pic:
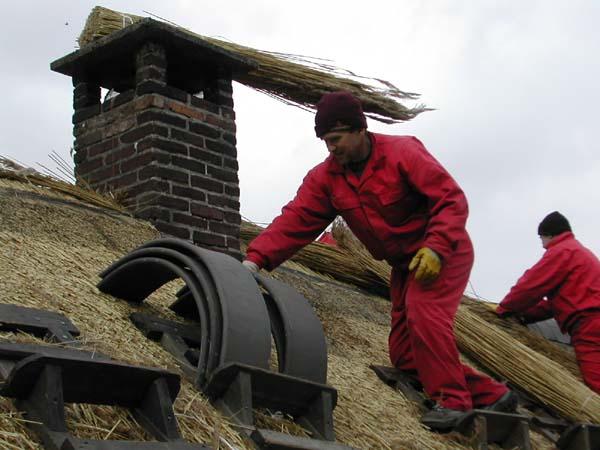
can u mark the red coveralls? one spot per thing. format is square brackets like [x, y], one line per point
[568, 275]
[404, 200]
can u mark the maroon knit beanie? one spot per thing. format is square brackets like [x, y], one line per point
[340, 107]
[553, 225]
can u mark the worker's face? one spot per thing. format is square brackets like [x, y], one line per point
[346, 146]
[545, 240]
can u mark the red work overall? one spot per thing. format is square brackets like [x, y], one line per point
[585, 337]
[422, 335]
[568, 276]
[404, 200]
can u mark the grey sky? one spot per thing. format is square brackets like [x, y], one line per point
[514, 84]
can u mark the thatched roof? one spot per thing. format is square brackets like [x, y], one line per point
[294, 79]
[54, 245]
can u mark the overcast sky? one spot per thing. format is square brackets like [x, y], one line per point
[514, 84]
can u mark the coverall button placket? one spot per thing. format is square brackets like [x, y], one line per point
[365, 200]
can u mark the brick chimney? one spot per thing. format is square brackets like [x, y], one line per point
[166, 141]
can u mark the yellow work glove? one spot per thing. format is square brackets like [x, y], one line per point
[427, 264]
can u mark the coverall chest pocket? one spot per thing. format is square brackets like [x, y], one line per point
[347, 207]
[395, 206]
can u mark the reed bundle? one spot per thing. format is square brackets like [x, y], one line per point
[531, 371]
[377, 272]
[293, 79]
[82, 191]
[319, 257]
[524, 335]
[550, 374]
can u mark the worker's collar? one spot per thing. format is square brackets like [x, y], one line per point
[560, 238]
[375, 157]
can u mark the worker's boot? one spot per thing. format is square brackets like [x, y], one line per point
[442, 419]
[507, 403]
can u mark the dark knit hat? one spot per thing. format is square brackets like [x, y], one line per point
[340, 107]
[553, 225]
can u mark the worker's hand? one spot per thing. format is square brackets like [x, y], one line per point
[522, 320]
[426, 264]
[252, 267]
[504, 313]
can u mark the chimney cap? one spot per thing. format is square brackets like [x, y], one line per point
[110, 61]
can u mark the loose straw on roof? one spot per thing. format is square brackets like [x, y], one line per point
[82, 191]
[296, 80]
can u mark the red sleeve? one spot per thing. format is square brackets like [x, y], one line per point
[447, 203]
[537, 282]
[540, 311]
[299, 223]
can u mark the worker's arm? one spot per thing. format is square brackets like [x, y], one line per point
[540, 311]
[300, 222]
[536, 283]
[447, 204]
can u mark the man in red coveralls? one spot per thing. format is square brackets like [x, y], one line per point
[405, 208]
[564, 284]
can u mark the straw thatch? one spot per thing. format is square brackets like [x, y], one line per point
[356, 270]
[549, 374]
[296, 80]
[54, 245]
[11, 170]
[563, 355]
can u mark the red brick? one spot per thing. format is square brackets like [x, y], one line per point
[207, 184]
[190, 221]
[185, 110]
[209, 212]
[206, 156]
[204, 238]
[219, 200]
[173, 230]
[188, 192]
[122, 182]
[189, 164]
[90, 165]
[137, 162]
[188, 138]
[231, 217]
[119, 155]
[222, 174]
[103, 146]
[233, 191]
[224, 228]
[144, 131]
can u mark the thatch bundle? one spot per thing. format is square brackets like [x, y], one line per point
[11, 170]
[557, 353]
[533, 372]
[549, 374]
[353, 269]
[296, 80]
